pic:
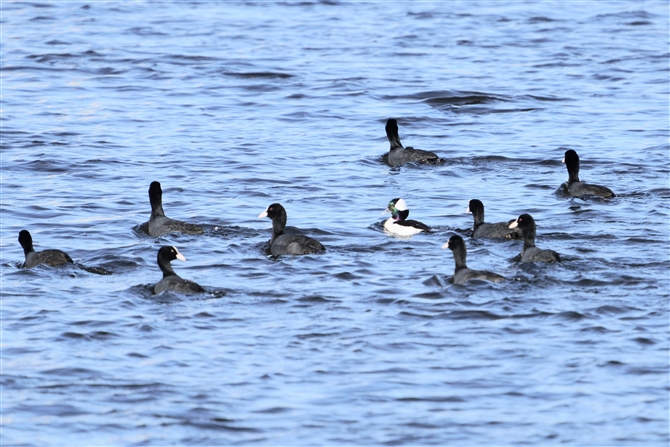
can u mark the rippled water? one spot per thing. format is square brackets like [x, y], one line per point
[234, 106]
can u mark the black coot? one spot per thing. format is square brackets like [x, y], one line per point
[159, 224]
[284, 244]
[399, 155]
[171, 281]
[48, 257]
[489, 230]
[530, 253]
[577, 188]
[462, 273]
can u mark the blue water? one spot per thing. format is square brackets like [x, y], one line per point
[234, 106]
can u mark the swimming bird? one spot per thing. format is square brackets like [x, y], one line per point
[171, 281]
[577, 188]
[530, 253]
[48, 257]
[489, 230]
[462, 273]
[287, 244]
[399, 155]
[159, 224]
[398, 223]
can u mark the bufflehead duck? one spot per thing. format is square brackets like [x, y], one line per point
[398, 223]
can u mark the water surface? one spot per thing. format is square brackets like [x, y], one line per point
[234, 106]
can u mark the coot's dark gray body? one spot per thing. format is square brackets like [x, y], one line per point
[285, 244]
[171, 281]
[159, 224]
[577, 188]
[47, 257]
[530, 253]
[462, 273]
[481, 229]
[399, 155]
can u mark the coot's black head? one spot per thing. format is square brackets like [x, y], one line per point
[165, 255]
[392, 134]
[274, 210]
[26, 241]
[277, 213]
[457, 246]
[525, 221]
[455, 242]
[155, 192]
[527, 225]
[168, 254]
[476, 207]
[391, 126]
[571, 161]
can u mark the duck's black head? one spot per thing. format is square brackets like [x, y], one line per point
[397, 205]
[398, 209]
